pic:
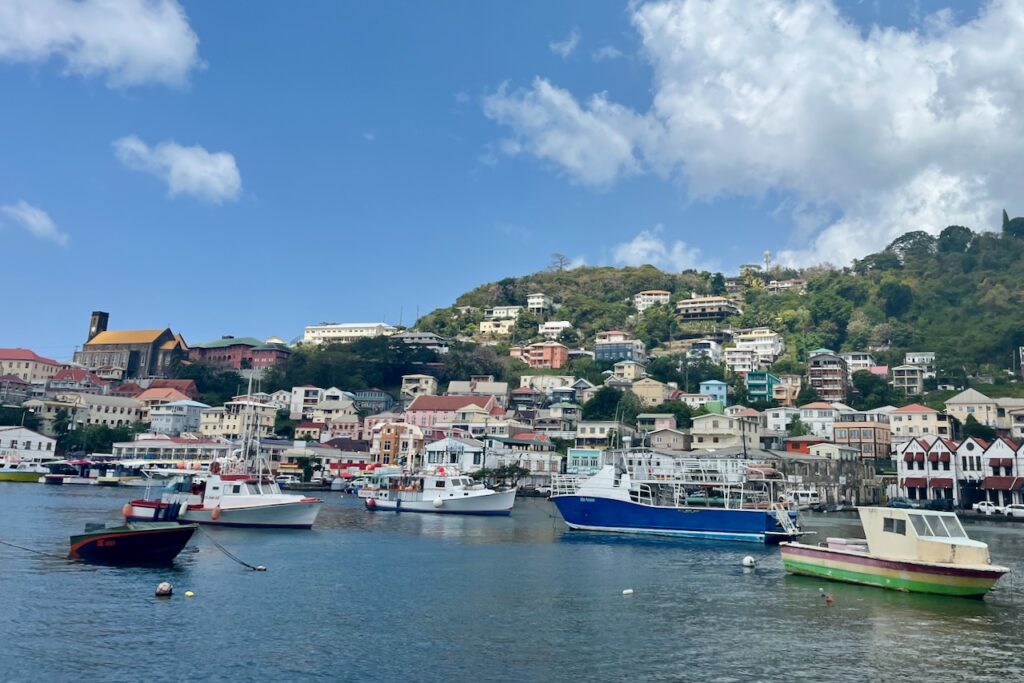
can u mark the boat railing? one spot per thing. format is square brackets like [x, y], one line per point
[785, 521]
[566, 484]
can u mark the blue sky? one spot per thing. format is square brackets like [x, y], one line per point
[361, 161]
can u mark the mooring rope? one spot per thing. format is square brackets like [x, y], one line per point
[255, 568]
[33, 550]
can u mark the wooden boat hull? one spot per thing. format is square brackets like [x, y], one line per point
[900, 575]
[133, 544]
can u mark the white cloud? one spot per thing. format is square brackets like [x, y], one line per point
[131, 42]
[186, 170]
[648, 247]
[872, 132]
[564, 48]
[606, 53]
[36, 221]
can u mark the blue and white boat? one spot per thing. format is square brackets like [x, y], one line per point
[651, 493]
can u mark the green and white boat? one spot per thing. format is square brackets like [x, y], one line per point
[24, 471]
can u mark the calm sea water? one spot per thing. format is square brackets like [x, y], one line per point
[424, 598]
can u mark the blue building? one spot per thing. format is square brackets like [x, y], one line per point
[717, 390]
[761, 385]
[620, 349]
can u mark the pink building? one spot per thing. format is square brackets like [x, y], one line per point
[546, 355]
[427, 411]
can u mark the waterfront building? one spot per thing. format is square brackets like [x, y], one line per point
[803, 444]
[539, 303]
[647, 298]
[553, 329]
[828, 375]
[707, 308]
[915, 420]
[343, 333]
[868, 431]
[86, 409]
[239, 353]
[27, 365]
[21, 443]
[584, 461]
[176, 417]
[173, 448]
[717, 390]
[128, 354]
[462, 454]
[669, 439]
[926, 469]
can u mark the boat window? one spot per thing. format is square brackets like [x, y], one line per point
[236, 488]
[895, 526]
[439, 483]
[954, 527]
[920, 525]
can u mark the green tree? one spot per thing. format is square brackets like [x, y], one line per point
[979, 431]
[797, 428]
[871, 391]
[283, 425]
[955, 239]
[807, 394]
[683, 413]
[896, 298]
[10, 415]
[603, 405]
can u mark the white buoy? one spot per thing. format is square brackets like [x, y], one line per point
[164, 590]
[749, 561]
[438, 502]
[628, 591]
[189, 594]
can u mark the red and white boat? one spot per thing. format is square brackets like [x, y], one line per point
[242, 500]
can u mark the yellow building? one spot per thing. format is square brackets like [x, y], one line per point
[27, 365]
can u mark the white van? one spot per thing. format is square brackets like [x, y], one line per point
[805, 499]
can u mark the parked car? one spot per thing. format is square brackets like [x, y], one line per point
[1014, 510]
[987, 507]
[943, 504]
[901, 502]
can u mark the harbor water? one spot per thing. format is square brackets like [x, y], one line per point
[389, 597]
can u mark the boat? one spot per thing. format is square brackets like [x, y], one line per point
[917, 551]
[132, 544]
[648, 492]
[443, 491]
[23, 471]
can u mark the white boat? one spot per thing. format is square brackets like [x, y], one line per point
[226, 500]
[441, 491]
[24, 471]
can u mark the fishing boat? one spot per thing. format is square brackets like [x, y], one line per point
[647, 492]
[23, 471]
[443, 491]
[917, 551]
[132, 544]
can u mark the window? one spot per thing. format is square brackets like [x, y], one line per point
[439, 484]
[895, 526]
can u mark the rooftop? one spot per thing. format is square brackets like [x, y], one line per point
[126, 337]
[25, 354]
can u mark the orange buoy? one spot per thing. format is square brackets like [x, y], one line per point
[215, 513]
[127, 510]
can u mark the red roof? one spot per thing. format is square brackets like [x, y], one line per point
[77, 375]
[818, 405]
[915, 408]
[14, 379]
[25, 354]
[310, 425]
[447, 403]
[185, 386]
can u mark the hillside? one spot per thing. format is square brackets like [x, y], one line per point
[959, 294]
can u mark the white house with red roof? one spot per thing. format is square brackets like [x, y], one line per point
[915, 420]
[1004, 472]
[427, 411]
[926, 469]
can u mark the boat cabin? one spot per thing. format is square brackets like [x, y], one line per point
[920, 535]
